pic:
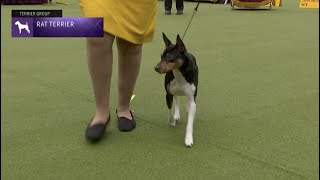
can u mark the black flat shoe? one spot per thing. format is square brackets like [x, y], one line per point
[96, 131]
[125, 124]
[179, 12]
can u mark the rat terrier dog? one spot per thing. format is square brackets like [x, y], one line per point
[181, 80]
[22, 26]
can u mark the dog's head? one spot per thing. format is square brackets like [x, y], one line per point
[172, 56]
[17, 22]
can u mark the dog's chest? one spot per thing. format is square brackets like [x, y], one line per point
[179, 86]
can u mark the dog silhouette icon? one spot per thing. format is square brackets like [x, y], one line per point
[22, 26]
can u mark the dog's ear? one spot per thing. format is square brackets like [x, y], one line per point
[180, 44]
[167, 42]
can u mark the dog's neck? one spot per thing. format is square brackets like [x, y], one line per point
[178, 73]
[186, 71]
[186, 63]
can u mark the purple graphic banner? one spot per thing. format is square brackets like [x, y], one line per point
[57, 27]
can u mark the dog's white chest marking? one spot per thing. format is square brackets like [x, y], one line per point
[179, 86]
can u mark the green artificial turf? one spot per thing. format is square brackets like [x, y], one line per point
[257, 107]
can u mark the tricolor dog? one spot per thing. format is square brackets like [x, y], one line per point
[181, 79]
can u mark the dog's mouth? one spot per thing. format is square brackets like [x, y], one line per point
[159, 69]
[164, 67]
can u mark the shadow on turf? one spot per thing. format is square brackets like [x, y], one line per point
[102, 141]
[239, 9]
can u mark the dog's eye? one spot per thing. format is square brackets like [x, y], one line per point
[170, 57]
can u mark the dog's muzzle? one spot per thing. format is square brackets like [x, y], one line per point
[157, 68]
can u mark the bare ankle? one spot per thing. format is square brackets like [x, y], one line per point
[100, 117]
[124, 112]
[123, 109]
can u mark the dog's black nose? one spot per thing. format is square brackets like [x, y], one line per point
[157, 68]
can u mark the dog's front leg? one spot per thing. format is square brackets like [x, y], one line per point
[176, 108]
[187, 107]
[169, 99]
[191, 116]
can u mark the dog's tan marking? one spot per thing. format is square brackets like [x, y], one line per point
[168, 66]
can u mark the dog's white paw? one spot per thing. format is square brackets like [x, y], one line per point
[172, 121]
[176, 116]
[188, 141]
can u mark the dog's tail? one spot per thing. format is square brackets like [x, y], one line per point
[27, 23]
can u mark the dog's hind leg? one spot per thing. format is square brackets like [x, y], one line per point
[176, 108]
[169, 99]
[191, 116]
